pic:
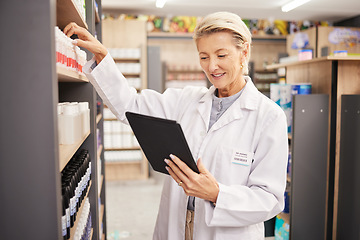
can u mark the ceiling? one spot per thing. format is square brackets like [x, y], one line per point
[315, 10]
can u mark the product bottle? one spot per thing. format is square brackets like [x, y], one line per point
[65, 194]
[63, 218]
[70, 120]
[85, 117]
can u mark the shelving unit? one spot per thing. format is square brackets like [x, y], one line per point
[29, 130]
[101, 193]
[263, 78]
[126, 49]
[67, 151]
[66, 12]
[120, 167]
[120, 140]
[190, 35]
[65, 75]
[179, 78]
[134, 77]
[178, 53]
[348, 208]
[333, 76]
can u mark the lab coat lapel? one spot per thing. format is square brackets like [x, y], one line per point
[248, 100]
[204, 107]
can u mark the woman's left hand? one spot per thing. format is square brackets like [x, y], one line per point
[202, 185]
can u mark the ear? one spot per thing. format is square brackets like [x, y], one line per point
[245, 49]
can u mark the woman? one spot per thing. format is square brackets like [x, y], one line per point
[237, 134]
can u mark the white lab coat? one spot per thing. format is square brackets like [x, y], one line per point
[250, 193]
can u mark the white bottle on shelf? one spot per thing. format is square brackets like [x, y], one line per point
[85, 117]
[71, 123]
[60, 123]
[78, 122]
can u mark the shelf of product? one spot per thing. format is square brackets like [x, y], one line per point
[190, 35]
[181, 76]
[122, 155]
[70, 11]
[125, 53]
[130, 56]
[263, 79]
[82, 228]
[314, 60]
[128, 61]
[118, 136]
[133, 69]
[65, 75]
[73, 128]
[320, 73]
[124, 149]
[75, 185]
[70, 59]
[73, 121]
[265, 76]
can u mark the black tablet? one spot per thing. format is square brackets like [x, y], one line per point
[159, 138]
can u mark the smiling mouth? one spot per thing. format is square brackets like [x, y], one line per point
[218, 75]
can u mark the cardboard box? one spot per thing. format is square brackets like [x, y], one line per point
[324, 41]
[332, 39]
[305, 39]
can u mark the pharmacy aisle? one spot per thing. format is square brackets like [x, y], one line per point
[50, 176]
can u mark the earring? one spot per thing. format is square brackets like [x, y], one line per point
[241, 66]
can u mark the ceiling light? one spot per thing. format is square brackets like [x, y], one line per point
[293, 4]
[160, 3]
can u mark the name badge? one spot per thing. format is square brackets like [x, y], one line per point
[242, 157]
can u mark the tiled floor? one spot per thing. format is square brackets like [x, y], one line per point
[132, 208]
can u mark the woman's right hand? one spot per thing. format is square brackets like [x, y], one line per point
[86, 40]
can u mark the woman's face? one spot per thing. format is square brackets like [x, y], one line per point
[221, 61]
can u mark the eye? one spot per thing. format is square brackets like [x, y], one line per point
[221, 56]
[203, 58]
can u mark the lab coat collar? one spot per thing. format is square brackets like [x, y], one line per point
[250, 97]
[205, 106]
[247, 100]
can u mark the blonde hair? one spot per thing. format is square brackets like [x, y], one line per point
[226, 22]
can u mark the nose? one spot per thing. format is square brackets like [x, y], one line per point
[213, 64]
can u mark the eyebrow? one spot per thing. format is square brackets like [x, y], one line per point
[221, 49]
